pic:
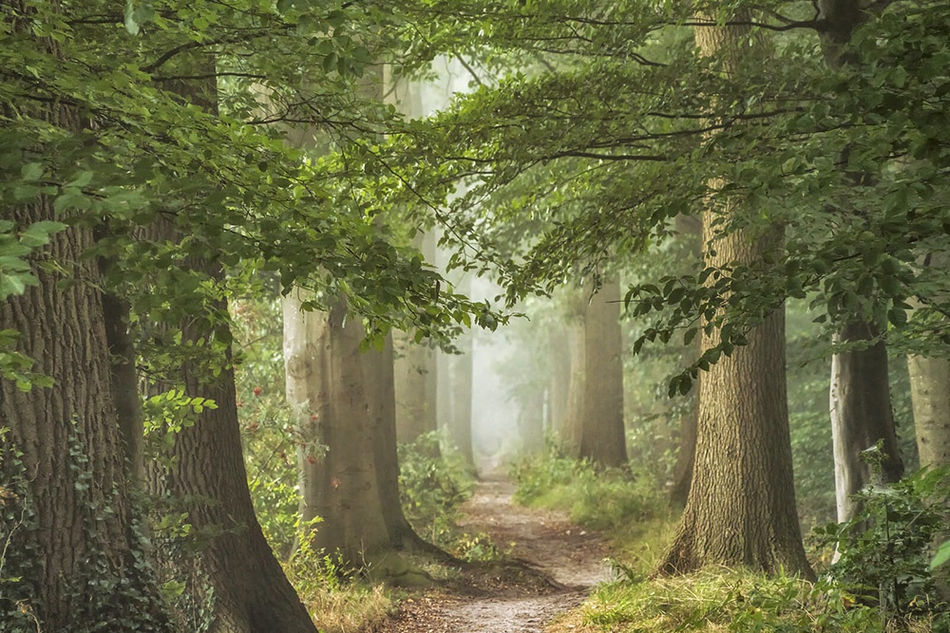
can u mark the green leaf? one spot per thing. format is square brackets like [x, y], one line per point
[942, 555]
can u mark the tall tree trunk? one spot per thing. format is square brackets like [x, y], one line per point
[236, 572]
[71, 549]
[603, 437]
[741, 506]
[380, 389]
[338, 480]
[62, 454]
[861, 416]
[593, 426]
[860, 397]
[930, 391]
[573, 423]
[125, 384]
[458, 388]
[245, 585]
[416, 376]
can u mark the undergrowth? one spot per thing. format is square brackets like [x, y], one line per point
[624, 505]
[733, 600]
[882, 583]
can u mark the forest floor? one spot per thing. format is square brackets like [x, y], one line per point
[553, 565]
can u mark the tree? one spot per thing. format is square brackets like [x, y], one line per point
[73, 549]
[416, 375]
[325, 383]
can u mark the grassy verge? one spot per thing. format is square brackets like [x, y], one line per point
[723, 600]
[624, 506]
[881, 584]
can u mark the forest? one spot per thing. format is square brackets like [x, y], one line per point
[474, 315]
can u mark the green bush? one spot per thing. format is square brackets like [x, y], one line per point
[885, 552]
[432, 487]
[612, 499]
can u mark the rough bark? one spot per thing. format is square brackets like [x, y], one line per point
[244, 584]
[125, 384]
[741, 506]
[63, 456]
[69, 546]
[861, 416]
[338, 480]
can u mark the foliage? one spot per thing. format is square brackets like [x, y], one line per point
[338, 600]
[269, 427]
[627, 506]
[432, 487]
[619, 125]
[885, 551]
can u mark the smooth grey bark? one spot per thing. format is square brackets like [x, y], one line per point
[861, 416]
[860, 404]
[325, 385]
[930, 392]
[593, 426]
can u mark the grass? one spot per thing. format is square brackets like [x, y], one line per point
[634, 515]
[625, 507]
[721, 600]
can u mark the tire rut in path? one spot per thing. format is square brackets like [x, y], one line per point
[544, 541]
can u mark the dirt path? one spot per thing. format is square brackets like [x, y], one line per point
[560, 564]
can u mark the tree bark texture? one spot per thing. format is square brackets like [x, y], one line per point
[338, 480]
[79, 529]
[70, 549]
[741, 506]
[861, 416]
[381, 394]
[244, 583]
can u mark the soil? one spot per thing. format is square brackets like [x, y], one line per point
[552, 567]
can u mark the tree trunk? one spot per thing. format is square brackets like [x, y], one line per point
[70, 547]
[603, 437]
[338, 480]
[930, 391]
[458, 388]
[861, 416]
[68, 527]
[416, 376]
[125, 384]
[741, 506]
[236, 573]
[571, 431]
